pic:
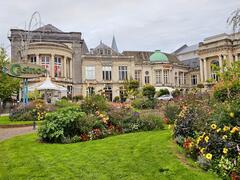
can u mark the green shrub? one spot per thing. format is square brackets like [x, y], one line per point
[171, 112]
[61, 125]
[64, 97]
[227, 113]
[65, 103]
[176, 93]
[190, 120]
[144, 103]
[148, 122]
[149, 91]
[77, 98]
[200, 86]
[29, 112]
[129, 120]
[94, 103]
[116, 99]
[162, 92]
[224, 92]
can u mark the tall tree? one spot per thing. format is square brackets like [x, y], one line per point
[9, 86]
[234, 20]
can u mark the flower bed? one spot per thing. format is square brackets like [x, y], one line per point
[215, 144]
[70, 125]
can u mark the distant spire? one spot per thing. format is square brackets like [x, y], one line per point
[114, 44]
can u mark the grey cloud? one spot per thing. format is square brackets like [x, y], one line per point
[137, 24]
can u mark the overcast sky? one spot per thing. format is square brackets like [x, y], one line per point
[137, 24]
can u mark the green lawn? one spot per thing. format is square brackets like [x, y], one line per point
[145, 155]
[4, 120]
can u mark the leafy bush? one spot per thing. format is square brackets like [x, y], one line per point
[200, 86]
[68, 125]
[61, 125]
[149, 91]
[65, 103]
[176, 93]
[30, 112]
[128, 120]
[191, 119]
[144, 103]
[94, 103]
[214, 142]
[149, 122]
[171, 112]
[77, 98]
[162, 92]
[223, 92]
[116, 99]
[227, 113]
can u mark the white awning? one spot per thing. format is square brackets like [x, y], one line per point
[47, 85]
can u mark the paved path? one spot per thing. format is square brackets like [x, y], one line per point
[6, 133]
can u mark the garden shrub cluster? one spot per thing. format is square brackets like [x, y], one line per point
[94, 103]
[216, 143]
[144, 103]
[162, 92]
[171, 112]
[146, 99]
[65, 103]
[34, 110]
[72, 124]
[209, 129]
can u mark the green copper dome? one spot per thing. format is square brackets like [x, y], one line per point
[157, 56]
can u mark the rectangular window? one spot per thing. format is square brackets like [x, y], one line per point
[138, 75]
[166, 76]
[107, 73]
[45, 62]
[90, 91]
[33, 59]
[147, 79]
[181, 78]
[90, 72]
[57, 66]
[122, 73]
[158, 76]
[194, 79]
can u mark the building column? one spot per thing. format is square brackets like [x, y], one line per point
[201, 71]
[224, 60]
[162, 78]
[38, 59]
[71, 73]
[205, 69]
[52, 66]
[184, 78]
[220, 62]
[65, 66]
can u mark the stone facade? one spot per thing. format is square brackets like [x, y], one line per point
[220, 50]
[57, 51]
[100, 70]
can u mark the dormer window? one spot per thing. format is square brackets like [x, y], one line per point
[109, 52]
[101, 51]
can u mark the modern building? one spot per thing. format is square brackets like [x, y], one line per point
[103, 69]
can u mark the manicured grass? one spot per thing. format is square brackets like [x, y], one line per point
[145, 155]
[4, 120]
